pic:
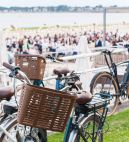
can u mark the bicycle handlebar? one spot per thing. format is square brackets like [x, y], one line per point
[16, 72]
[10, 67]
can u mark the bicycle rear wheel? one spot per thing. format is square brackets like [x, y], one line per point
[86, 126]
[105, 83]
[22, 133]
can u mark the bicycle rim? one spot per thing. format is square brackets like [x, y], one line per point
[87, 130]
[105, 83]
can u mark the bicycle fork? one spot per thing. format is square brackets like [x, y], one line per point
[102, 121]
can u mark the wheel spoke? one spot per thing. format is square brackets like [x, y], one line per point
[23, 134]
[105, 83]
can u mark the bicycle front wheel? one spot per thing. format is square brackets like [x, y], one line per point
[86, 127]
[20, 133]
[104, 82]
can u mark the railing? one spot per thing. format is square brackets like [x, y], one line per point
[97, 58]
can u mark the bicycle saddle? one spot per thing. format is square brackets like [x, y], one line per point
[83, 97]
[61, 71]
[6, 93]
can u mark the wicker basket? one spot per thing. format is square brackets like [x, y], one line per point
[45, 108]
[32, 65]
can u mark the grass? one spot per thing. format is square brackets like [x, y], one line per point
[118, 129]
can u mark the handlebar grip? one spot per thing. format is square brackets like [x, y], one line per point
[8, 66]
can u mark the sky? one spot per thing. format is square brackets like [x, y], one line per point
[8, 3]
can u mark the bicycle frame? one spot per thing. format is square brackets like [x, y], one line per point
[76, 123]
[68, 127]
[73, 123]
[123, 85]
[59, 86]
[62, 87]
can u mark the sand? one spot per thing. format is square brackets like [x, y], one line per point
[19, 33]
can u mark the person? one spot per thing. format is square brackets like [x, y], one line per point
[20, 45]
[98, 42]
[10, 55]
[39, 47]
[82, 64]
[25, 45]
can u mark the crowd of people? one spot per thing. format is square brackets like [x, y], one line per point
[63, 43]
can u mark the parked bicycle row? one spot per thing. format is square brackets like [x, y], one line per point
[68, 107]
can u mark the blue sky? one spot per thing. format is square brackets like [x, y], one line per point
[28, 3]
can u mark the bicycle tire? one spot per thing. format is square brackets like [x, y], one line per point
[39, 136]
[104, 82]
[84, 125]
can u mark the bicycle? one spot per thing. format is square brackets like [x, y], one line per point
[84, 116]
[8, 117]
[110, 82]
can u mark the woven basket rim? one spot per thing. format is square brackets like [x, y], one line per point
[50, 90]
[30, 55]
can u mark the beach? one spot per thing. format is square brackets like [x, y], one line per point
[27, 27]
[9, 31]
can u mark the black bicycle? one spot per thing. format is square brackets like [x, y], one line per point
[111, 83]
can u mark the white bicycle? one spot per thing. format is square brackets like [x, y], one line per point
[10, 130]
